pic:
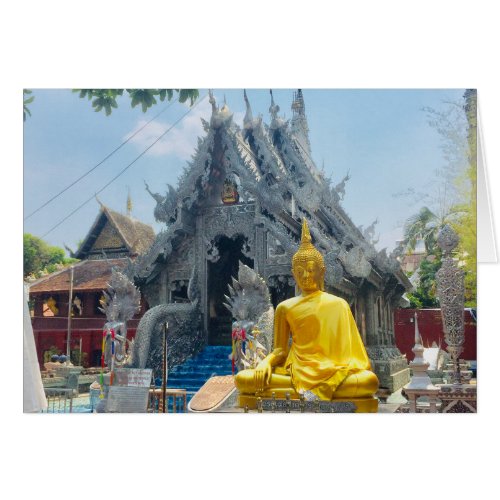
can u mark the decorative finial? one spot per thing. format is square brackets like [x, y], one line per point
[274, 108]
[99, 201]
[418, 338]
[298, 103]
[247, 120]
[447, 239]
[306, 235]
[129, 203]
[211, 100]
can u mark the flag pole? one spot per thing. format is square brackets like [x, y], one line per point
[68, 340]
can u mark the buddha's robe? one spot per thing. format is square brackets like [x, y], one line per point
[326, 347]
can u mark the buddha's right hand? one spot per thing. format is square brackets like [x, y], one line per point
[262, 375]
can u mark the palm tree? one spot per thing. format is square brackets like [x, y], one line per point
[424, 226]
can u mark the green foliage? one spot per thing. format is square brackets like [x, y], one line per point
[457, 126]
[48, 354]
[26, 101]
[105, 99]
[40, 258]
[75, 358]
[425, 294]
[466, 224]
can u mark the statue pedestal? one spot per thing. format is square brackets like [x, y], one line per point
[282, 405]
[390, 366]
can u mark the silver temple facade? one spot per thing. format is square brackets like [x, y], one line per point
[242, 198]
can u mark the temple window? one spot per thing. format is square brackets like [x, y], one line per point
[99, 301]
[77, 306]
[178, 291]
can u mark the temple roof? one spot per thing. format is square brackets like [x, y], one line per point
[116, 235]
[88, 275]
[272, 165]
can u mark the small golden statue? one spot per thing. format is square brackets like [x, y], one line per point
[326, 358]
[229, 193]
[52, 305]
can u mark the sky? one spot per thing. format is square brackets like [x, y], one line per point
[382, 138]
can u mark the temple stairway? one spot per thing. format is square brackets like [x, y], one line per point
[193, 373]
[219, 331]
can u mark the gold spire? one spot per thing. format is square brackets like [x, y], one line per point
[306, 235]
[129, 203]
[307, 251]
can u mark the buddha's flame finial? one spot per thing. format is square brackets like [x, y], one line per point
[306, 235]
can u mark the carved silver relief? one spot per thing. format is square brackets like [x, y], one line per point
[230, 221]
[247, 248]
[278, 280]
[334, 271]
[274, 248]
[211, 250]
[355, 262]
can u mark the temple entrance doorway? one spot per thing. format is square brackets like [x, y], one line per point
[219, 277]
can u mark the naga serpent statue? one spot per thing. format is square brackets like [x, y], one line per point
[184, 335]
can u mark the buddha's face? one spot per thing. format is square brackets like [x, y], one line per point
[308, 275]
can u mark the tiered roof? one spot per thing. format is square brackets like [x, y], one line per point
[274, 168]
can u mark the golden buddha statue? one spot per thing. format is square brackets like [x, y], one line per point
[326, 357]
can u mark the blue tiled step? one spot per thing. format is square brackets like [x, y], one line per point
[193, 373]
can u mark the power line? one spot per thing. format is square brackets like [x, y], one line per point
[126, 168]
[100, 163]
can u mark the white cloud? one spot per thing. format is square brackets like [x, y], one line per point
[181, 140]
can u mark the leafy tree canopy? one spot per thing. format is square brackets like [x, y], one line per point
[41, 258]
[425, 294]
[105, 99]
[27, 100]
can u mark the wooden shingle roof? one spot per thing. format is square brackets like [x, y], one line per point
[88, 275]
[116, 235]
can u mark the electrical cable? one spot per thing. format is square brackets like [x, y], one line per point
[101, 162]
[124, 169]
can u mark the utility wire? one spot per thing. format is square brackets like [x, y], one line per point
[100, 163]
[126, 168]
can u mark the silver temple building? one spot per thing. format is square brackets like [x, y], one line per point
[242, 198]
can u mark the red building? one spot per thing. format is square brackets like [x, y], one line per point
[430, 326]
[112, 240]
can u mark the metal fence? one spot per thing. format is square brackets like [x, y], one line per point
[59, 400]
